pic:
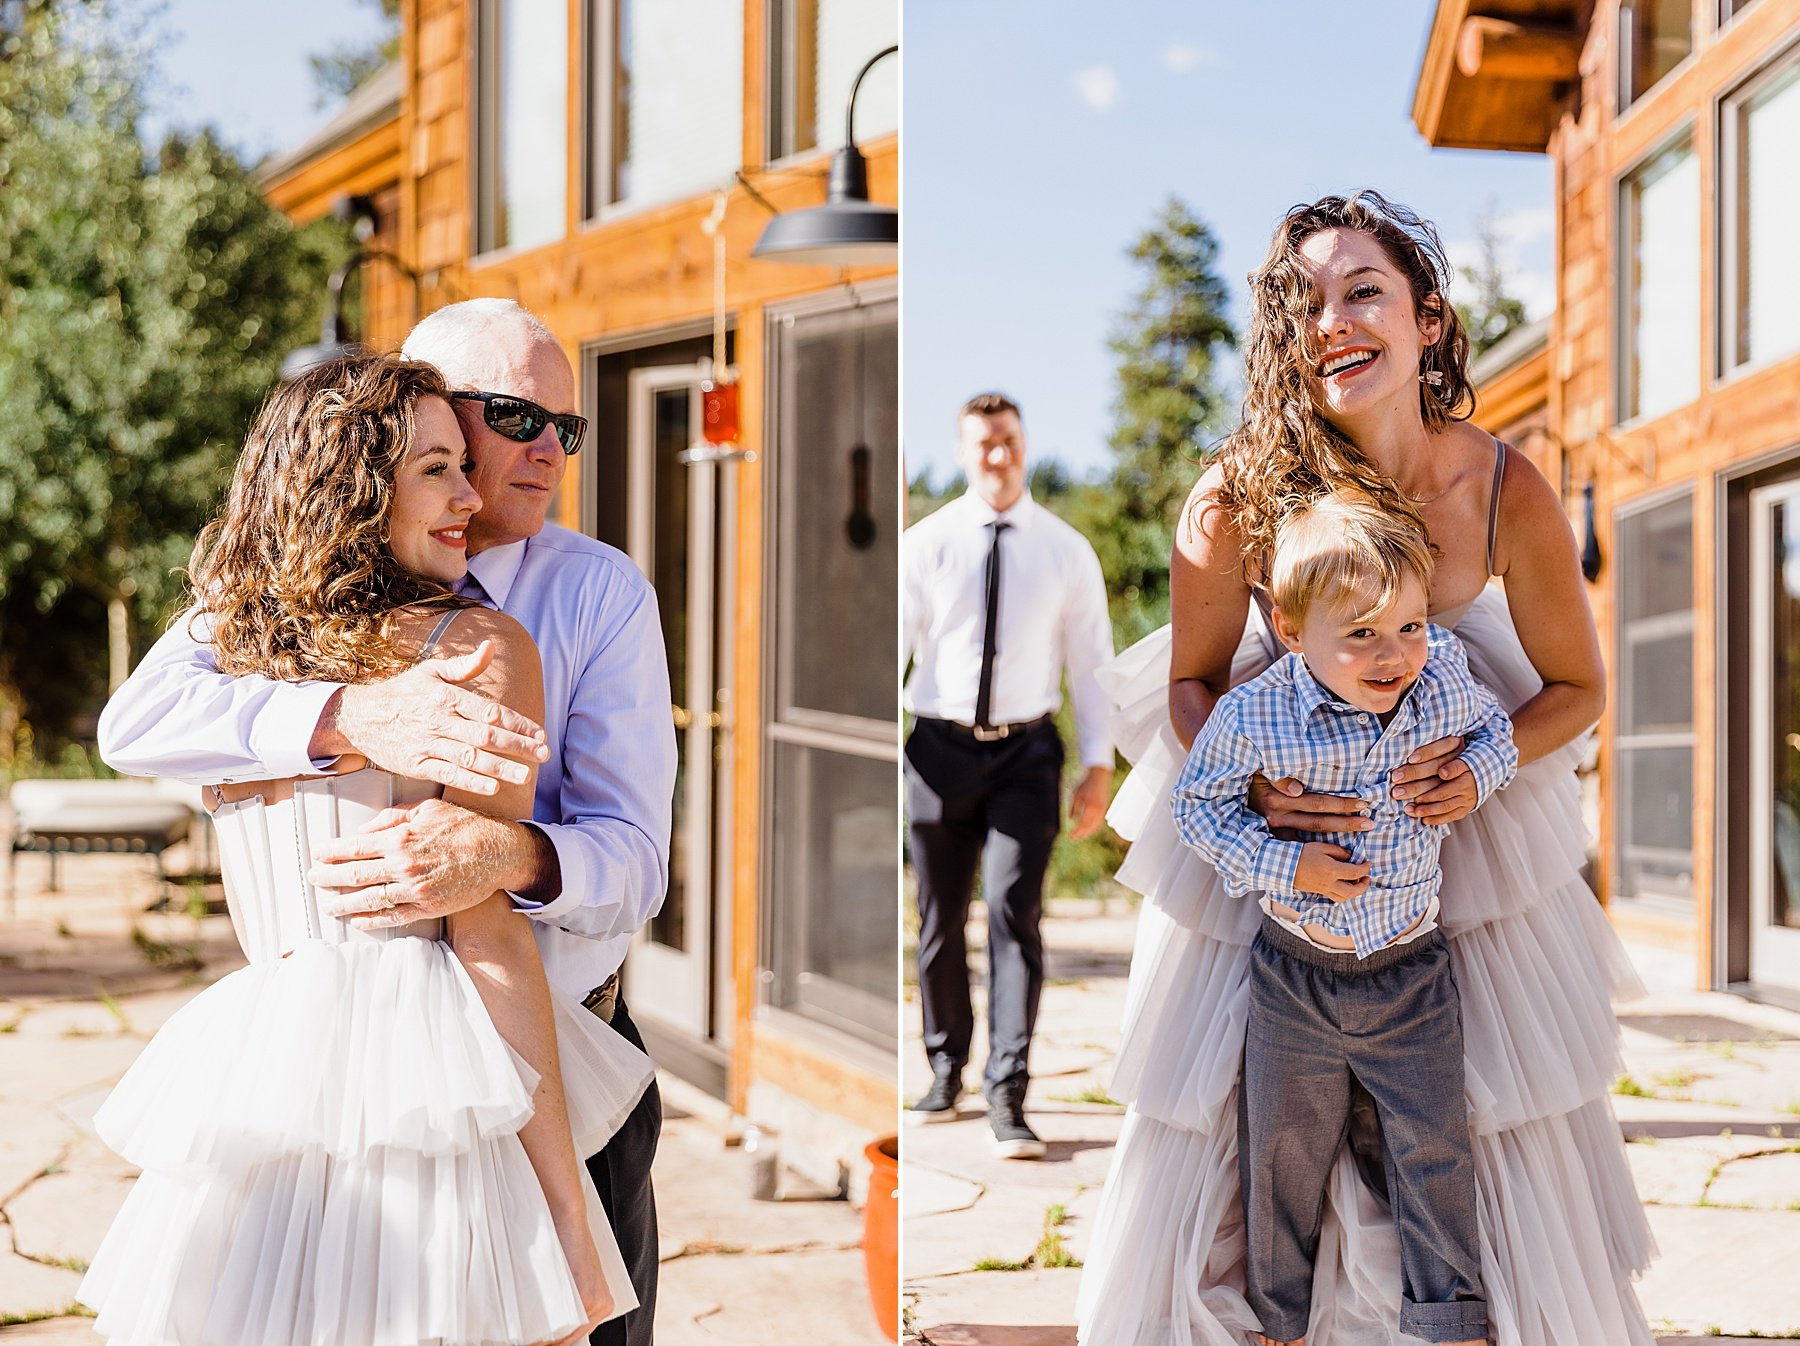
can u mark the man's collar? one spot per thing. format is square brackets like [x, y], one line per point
[983, 513]
[497, 567]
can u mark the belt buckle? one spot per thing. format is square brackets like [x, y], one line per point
[991, 734]
[603, 1000]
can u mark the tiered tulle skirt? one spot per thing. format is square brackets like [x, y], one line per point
[1536, 965]
[331, 1156]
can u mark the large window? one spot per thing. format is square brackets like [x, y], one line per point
[522, 96]
[1760, 146]
[832, 823]
[818, 47]
[1653, 738]
[1659, 284]
[665, 93]
[1655, 36]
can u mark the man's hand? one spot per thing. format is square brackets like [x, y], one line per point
[1087, 806]
[1288, 808]
[1325, 869]
[428, 860]
[1438, 785]
[422, 724]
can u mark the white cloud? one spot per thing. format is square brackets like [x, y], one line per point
[1182, 57]
[1098, 86]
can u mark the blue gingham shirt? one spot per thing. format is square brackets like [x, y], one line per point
[1285, 723]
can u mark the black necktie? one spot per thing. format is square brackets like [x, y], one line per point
[984, 691]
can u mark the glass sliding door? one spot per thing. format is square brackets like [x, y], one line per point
[1775, 736]
[678, 531]
[832, 826]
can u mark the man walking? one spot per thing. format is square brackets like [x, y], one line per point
[591, 865]
[1001, 597]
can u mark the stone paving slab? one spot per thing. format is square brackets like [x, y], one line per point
[51, 1332]
[996, 1308]
[63, 1217]
[1722, 1270]
[32, 1137]
[1764, 1181]
[816, 1298]
[29, 1289]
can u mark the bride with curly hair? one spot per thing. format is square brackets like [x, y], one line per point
[1356, 379]
[365, 1135]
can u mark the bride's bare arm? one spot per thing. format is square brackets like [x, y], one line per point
[495, 944]
[1537, 557]
[1208, 602]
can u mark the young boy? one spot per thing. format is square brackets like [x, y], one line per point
[1349, 975]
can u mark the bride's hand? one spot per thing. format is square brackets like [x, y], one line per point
[590, 1281]
[1448, 791]
[1288, 808]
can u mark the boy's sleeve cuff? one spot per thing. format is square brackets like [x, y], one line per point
[1275, 865]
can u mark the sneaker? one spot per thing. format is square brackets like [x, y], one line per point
[939, 1102]
[1013, 1139]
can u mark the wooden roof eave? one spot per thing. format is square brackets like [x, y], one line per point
[1497, 79]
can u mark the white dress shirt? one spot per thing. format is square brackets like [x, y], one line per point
[1052, 616]
[603, 797]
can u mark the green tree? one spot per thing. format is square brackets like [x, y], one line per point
[1170, 405]
[1492, 311]
[346, 67]
[144, 311]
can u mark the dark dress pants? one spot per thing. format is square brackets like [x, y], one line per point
[998, 804]
[621, 1174]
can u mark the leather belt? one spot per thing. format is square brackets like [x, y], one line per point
[603, 1000]
[994, 733]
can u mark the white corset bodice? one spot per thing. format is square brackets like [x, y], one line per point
[265, 852]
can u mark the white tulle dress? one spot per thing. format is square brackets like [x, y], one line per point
[329, 1136]
[1536, 963]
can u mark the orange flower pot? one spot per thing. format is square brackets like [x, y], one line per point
[881, 1233]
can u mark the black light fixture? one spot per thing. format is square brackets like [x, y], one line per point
[335, 337]
[848, 230]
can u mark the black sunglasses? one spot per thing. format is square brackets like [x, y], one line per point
[523, 421]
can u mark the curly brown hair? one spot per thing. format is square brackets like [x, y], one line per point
[295, 576]
[1284, 453]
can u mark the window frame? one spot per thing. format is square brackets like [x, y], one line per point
[597, 111]
[1727, 259]
[1624, 43]
[484, 144]
[1622, 742]
[1625, 233]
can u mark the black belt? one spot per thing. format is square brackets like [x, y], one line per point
[603, 1000]
[994, 733]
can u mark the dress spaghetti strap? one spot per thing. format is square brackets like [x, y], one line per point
[1494, 501]
[429, 648]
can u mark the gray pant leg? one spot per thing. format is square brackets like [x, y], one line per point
[1293, 1111]
[1404, 1027]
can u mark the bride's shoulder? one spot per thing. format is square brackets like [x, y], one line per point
[461, 630]
[1531, 515]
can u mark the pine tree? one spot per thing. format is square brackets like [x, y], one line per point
[1170, 405]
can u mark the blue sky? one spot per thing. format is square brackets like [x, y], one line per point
[240, 66]
[1040, 140]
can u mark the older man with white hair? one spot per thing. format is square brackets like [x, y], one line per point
[591, 864]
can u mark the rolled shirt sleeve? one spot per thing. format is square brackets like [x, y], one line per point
[177, 716]
[613, 802]
[1211, 814]
[1087, 640]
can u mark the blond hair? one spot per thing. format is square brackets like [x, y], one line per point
[1284, 451]
[296, 576]
[1346, 545]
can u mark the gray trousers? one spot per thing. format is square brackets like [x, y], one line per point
[1391, 1022]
